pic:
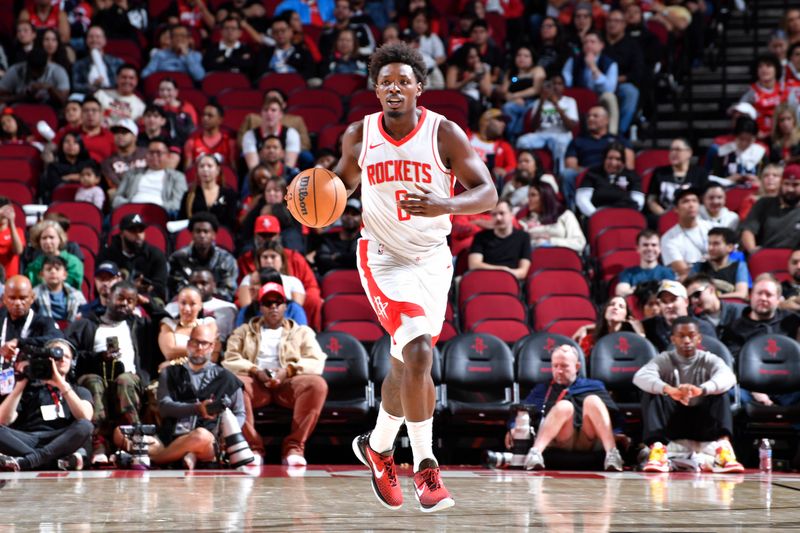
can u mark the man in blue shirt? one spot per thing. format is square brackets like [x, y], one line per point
[649, 248]
[178, 58]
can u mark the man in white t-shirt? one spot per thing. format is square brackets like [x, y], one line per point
[686, 242]
[553, 116]
[155, 184]
[121, 102]
[271, 116]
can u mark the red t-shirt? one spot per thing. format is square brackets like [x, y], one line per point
[196, 146]
[9, 259]
[99, 146]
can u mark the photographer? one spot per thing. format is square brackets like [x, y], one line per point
[19, 321]
[186, 402]
[44, 421]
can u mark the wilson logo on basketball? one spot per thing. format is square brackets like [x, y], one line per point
[302, 193]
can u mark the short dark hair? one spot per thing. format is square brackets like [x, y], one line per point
[745, 124]
[204, 216]
[123, 285]
[646, 234]
[53, 260]
[768, 59]
[129, 66]
[479, 23]
[727, 234]
[91, 100]
[700, 277]
[614, 146]
[158, 139]
[93, 165]
[152, 108]
[397, 53]
[215, 105]
[683, 320]
[200, 270]
[269, 275]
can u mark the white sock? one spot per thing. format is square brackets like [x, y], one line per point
[421, 436]
[386, 427]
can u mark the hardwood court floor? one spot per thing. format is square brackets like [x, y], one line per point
[339, 498]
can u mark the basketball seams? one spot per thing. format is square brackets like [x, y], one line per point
[334, 209]
[331, 200]
[314, 188]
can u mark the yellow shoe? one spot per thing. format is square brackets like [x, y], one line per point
[725, 460]
[657, 461]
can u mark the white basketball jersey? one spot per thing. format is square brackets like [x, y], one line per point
[389, 170]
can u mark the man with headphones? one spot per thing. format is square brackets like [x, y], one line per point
[45, 421]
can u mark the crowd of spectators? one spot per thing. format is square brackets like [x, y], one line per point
[244, 256]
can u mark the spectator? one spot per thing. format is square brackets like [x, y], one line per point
[211, 138]
[97, 70]
[45, 14]
[766, 92]
[430, 44]
[707, 306]
[271, 116]
[271, 204]
[35, 80]
[519, 87]
[625, 52]
[278, 362]
[290, 120]
[261, 277]
[649, 249]
[70, 159]
[25, 39]
[49, 238]
[56, 52]
[791, 287]
[792, 75]
[791, 24]
[178, 58]
[154, 121]
[181, 116]
[714, 210]
[284, 56]
[90, 190]
[731, 278]
[364, 42]
[155, 184]
[611, 185]
[222, 311]
[30, 438]
[646, 295]
[127, 156]
[231, 54]
[592, 69]
[736, 111]
[502, 248]
[344, 57]
[762, 316]
[577, 413]
[12, 129]
[272, 255]
[740, 161]
[679, 174]
[122, 102]
[686, 242]
[244, 10]
[203, 251]
[12, 239]
[580, 24]
[338, 250]
[548, 222]
[785, 136]
[491, 145]
[552, 50]
[54, 298]
[772, 222]
[684, 398]
[106, 274]
[614, 317]
[139, 261]
[174, 333]
[469, 75]
[778, 46]
[121, 20]
[273, 156]
[99, 141]
[318, 14]
[674, 303]
[769, 185]
[72, 118]
[587, 150]
[116, 357]
[210, 193]
[529, 169]
[20, 321]
[185, 390]
[488, 51]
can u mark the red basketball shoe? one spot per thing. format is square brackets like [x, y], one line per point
[384, 476]
[430, 490]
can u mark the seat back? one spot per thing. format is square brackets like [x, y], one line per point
[344, 84]
[150, 213]
[555, 258]
[509, 331]
[79, 212]
[609, 217]
[346, 281]
[482, 306]
[717, 347]
[85, 236]
[366, 331]
[486, 281]
[771, 364]
[649, 159]
[616, 238]
[617, 357]
[323, 98]
[613, 263]
[666, 221]
[478, 367]
[773, 260]
[216, 82]
[346, 307]
[534, 356]
[558, 307]
[346, 367]
[547, 282]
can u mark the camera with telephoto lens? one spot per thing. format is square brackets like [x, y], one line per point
[218, 405]
[39, 359]
[522, 434]
[141, 436]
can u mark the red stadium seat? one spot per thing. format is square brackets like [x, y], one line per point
[182, 80]
[363, 330]
[150, 213]
[559, 307]
[318, 98]
[666, 221]
[498, 306]
[330, 135]
[195, 97]
[585, 98]
[614, 262]
[125, 49]
[510, 331]
[19, 151]
[548, 282]
[16, 192]
[446, 97]
[365, 97]
[611, 217]
[772, 260]
[252, 98]
[344, 84]
[234, 116]
[19, 170]
[453, 113]
[316, 118]
[555, 258]
[30, 114]
[79, 212]
[568, 326]
[486, 281]
[734, 197]
[359, 112]
[650, 159]
[545, 158]
[341, 282]
[216, 82]
[286, 83]
[85, 236]
[65, 192]
[617, 238]
[346, 307]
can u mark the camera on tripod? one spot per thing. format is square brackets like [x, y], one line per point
[140, 436]
[522, 435]
[39, 359]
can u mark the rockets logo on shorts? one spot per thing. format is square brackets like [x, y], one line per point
[380, 307]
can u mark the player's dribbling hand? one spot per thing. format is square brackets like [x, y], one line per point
[426, 204]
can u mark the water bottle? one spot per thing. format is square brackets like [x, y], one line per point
[765, 456]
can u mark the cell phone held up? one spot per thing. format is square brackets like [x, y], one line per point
[112, 346]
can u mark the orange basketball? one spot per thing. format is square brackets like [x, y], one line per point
[316, 197]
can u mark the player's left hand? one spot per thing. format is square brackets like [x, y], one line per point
[426, 204]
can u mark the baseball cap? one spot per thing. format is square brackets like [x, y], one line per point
[134, 220]
[791, 172]
[109, 267]
[675, 288]
[271, 288]
[267, 224]
[743, 108]
[353, 203]
[126, 124]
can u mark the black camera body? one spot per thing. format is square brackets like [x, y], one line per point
[217, 406]
[39, 359]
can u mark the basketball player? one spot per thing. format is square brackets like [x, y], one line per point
[406, 159]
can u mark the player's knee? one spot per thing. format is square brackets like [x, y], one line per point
[418, 355]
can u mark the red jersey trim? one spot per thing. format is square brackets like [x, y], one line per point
[408, 137]
[364, 140]
[390, 311]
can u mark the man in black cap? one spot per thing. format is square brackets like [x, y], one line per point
[106, 274]
[146, 265]
[338, 250]
[127, 155]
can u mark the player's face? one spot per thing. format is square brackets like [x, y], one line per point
[397, 89]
